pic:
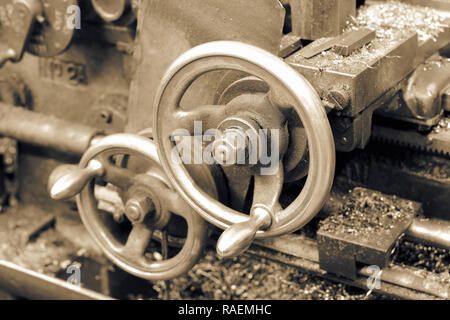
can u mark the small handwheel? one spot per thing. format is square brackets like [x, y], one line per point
[288, 91]
[130, 163]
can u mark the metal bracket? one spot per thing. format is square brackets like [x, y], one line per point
[366, 232]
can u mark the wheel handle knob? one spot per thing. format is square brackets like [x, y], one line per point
[238, 238]
[68, 180]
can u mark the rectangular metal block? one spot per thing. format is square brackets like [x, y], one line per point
[314, 19]
[289, 44]
[354, 40]
[365, 231]
[364, 75]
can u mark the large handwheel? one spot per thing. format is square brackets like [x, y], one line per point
[130, 163]
[288, 91]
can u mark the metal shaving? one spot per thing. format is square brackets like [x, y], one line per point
[367, 212]
[393, 22]
[384, 18]
[433, 262]
[249, 278]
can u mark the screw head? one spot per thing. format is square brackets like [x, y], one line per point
[106, 116]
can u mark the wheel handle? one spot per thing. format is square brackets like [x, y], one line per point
[68, 180]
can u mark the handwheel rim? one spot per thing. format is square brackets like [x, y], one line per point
[161, 270]
[308, 107]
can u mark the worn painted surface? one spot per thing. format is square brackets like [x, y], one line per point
[168, 28]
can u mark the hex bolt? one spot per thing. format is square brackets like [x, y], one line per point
[138, 206]
[232, 147]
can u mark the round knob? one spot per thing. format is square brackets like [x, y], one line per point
[111, 10]
[237, 238]
[68, 180]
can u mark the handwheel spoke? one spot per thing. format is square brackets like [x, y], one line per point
[138, 240]
[164, 244]
[279, 100]
[209, 116]
[176, 204]
[268, 190]
[120, 177]
[170, 199]
[237, 238]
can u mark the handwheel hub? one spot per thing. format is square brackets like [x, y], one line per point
[138, 207]
[238, 143]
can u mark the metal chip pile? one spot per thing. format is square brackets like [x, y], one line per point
[432, 259]
[248, 278]
[393, 22]
[367, 211]
[384, 18]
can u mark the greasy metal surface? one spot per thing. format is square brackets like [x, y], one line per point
[396, 281]
[44, 131]
[436, 142]
[109, 113]
[365, 77]
[424, 90]
[169, 28]
[351, 132]
[434, 232]
[119, 11]
[421, 98]
[32, 285]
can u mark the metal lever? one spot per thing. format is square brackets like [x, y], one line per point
[68, 180]
[237, 238]
[16, 28]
